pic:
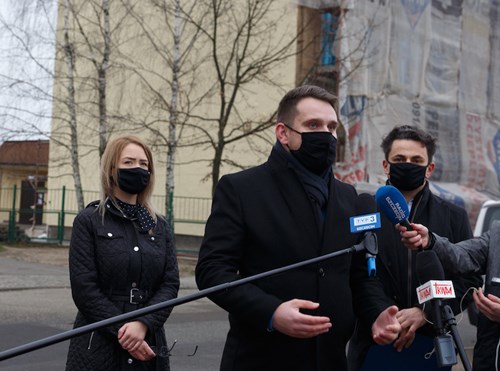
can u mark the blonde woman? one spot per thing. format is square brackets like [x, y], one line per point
[122, 258]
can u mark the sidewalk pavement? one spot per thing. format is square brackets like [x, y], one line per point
[21, 275]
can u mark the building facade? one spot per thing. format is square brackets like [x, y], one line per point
[427, 63]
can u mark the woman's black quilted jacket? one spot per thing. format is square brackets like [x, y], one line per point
[107, 259]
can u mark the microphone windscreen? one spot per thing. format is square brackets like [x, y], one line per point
[429, 267]
[392, 204]
[365, 204]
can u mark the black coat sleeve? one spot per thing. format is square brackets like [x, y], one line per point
[221, 255]
[462, 231]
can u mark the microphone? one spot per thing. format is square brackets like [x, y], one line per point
[367, 220]
[435, 288]
[393, 205]
[429, 266]
[430, 275]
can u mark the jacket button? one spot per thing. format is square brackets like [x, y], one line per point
[136, 248]
[130, 360]
[134, 284]
[152, 238]
[321, 272]
[110, 234]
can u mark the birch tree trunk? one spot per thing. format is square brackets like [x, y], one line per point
[172, 125]
[102, 69]
[71, 104]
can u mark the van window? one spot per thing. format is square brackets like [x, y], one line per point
[492, 214]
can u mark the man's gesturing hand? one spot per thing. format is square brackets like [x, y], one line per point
[386, 327]
[290, 321]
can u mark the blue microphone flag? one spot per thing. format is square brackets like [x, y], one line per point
[392, 204]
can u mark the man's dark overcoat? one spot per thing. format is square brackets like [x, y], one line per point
[262, 219]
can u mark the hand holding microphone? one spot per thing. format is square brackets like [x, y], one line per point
[415, 239]
[393, 205]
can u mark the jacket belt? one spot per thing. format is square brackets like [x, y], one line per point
[134, 296]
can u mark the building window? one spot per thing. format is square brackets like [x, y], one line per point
[329, 27]
[317, 61]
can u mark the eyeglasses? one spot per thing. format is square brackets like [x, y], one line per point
[164, 351]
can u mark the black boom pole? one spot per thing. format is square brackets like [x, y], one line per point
[16, 351]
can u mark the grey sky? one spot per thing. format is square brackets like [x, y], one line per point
[26, 65]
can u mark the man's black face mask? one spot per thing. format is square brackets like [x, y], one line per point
[406, 176]
[317, 152]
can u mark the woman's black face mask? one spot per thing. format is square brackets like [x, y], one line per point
[133, 180]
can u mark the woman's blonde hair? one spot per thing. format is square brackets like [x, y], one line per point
[109, 171]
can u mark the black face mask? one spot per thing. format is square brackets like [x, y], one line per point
[406, 176]
[134, 180]
[317, 152]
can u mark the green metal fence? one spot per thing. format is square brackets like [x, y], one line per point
[53, 217]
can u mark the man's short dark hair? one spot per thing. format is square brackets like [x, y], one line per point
[408, 132]
[287, 108]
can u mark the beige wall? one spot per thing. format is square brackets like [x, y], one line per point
[8, 178]
[11, 176]
[127, 95]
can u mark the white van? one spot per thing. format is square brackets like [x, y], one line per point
[490, 211]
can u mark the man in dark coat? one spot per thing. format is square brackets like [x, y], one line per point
[408, 164]
[284, 211]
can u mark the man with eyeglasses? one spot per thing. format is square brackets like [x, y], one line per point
[408, 165]
[287, 210]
